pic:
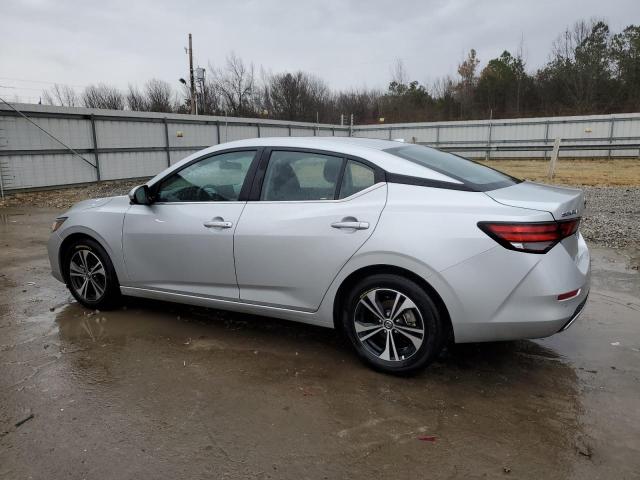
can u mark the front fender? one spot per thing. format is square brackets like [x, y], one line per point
[104, 224]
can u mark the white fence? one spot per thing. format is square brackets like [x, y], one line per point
[116, 144]
[582, 137]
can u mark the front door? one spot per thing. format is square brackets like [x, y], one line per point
[315, 211]
[183, 242]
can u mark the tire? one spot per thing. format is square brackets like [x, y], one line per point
[90, 275]
[387, 335]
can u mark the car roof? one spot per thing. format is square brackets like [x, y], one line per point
[369, 149]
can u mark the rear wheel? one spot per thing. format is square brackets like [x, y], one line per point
[393, 324]
[90, 275]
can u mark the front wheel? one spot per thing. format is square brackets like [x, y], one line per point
[90, 275]
[393, 324]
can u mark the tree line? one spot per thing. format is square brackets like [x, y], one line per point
[590, 71]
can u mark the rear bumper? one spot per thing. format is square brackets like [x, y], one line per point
[509, 295]
[576, 314]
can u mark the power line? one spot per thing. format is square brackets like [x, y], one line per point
[41, 81]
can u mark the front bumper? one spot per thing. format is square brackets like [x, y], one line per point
[53, 249]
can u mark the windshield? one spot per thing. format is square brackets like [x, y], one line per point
[472, 174]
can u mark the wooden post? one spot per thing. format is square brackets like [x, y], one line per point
[554, 158]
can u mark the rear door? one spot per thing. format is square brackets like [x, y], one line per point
[311, 212]
[183, 242]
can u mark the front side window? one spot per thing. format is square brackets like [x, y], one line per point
[356, 177]
[294, 176]
[472, 174]
[214, 179]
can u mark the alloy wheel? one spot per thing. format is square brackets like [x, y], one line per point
[87, 275]
[389, 324]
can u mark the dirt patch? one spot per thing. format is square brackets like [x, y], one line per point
[596, 172]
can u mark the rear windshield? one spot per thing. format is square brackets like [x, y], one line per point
[470, 173]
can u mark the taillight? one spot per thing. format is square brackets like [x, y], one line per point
[539, 237]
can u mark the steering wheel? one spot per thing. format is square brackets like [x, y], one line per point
[209, 193]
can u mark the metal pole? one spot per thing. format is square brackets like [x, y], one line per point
[259, 132]
[95, 146]
[218, 131]
[166, 141]
[192, 84]
[390, 133]
[289, 130]
[351, 126]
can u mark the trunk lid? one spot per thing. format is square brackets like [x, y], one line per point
[561, 202]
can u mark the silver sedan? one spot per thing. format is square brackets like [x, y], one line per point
[401, 247]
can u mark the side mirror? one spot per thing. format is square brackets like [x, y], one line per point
[140, 195]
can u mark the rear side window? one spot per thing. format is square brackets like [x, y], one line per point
[356, 177]
[294, 176]
[472, 174]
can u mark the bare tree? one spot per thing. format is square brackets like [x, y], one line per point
[295, 96]
[103, 96]
[399, 73]
[160, 96]
[236, 85]
[137, 100]
[467, 71]
[60, 95]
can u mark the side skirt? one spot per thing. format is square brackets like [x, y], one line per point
[311, 318]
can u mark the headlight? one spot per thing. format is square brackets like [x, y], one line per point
[56, 225]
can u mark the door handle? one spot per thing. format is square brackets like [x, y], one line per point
[218, 224]
[351, 225]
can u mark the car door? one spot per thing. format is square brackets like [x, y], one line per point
[183, 241]
[312, 211]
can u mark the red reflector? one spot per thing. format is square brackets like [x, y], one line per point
[568, 295]
[537, 237]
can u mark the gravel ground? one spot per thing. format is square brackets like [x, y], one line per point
[612, 219]
[613, 216]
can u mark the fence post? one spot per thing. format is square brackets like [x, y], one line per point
[289, 130]
[437, 135]
[611, 125]
[95, 146]
[166, 141]
[218, 131]
[546, 137]
[487, 155]
[554, 158]
[259, 132]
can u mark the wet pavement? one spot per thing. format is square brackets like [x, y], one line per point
[158, 390]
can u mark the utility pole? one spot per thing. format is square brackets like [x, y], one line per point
[192, 84]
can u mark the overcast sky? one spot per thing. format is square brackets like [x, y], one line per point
[347, 43]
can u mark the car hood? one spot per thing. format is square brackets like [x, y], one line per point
[91, 203]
